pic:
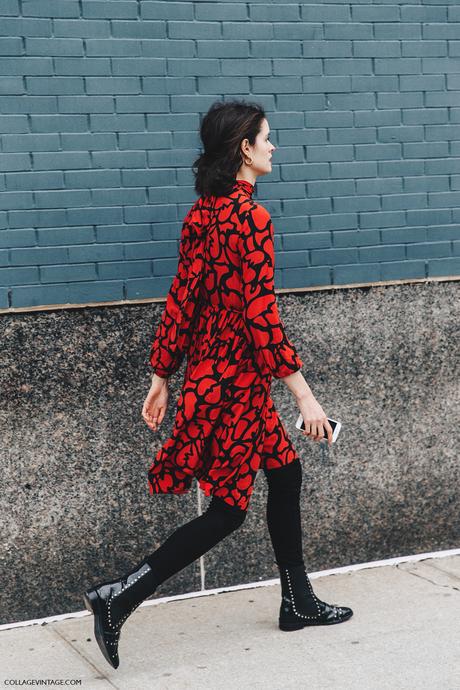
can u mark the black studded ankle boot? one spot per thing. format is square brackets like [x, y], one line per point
[112, 602]
[299, 604]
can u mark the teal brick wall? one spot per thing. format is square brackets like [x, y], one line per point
[100, 105]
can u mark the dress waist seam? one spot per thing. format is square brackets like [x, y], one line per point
[220, 307]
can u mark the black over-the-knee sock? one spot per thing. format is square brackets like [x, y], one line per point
[283, 512]
[194, 538]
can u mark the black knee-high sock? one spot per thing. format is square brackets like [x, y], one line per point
[283, 513]
[194, 538]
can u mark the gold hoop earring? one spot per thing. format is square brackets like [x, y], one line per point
[250, 162]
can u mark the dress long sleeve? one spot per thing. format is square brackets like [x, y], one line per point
[172, 337]
[273, 349]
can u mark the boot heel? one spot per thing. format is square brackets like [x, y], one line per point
[90, 599]
[291, 626]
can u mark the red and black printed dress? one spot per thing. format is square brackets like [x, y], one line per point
[221, 312]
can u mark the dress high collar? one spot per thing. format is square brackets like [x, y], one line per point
[245, 185]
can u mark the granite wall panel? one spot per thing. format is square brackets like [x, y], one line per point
[74, 454]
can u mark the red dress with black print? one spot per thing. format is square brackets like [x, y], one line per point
[221, 313]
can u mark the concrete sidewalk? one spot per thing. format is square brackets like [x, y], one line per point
[405, 634]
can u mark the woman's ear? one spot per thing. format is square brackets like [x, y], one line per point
[245, 147]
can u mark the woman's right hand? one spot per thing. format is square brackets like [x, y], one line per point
[314, 418]
[156, 403]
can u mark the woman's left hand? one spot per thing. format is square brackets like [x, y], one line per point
[156, 403]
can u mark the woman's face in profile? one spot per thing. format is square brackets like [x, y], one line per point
[262, 150]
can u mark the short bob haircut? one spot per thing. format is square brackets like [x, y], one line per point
[222, 130]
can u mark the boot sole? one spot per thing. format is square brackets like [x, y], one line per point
[92, 603]
[299, 625]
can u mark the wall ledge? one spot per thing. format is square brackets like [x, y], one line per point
[291, 291]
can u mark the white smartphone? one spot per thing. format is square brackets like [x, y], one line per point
[335, 424]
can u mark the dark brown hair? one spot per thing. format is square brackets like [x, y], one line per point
[222, 130]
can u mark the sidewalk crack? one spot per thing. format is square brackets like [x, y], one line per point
[101, 674]
[427, 579]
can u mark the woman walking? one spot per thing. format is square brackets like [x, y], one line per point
[221, 312]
